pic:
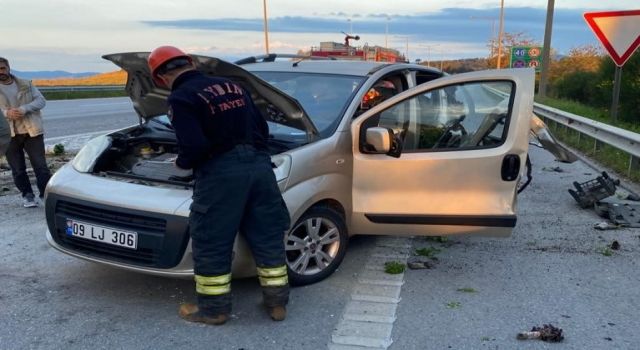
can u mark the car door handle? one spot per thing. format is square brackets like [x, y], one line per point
[510, 167]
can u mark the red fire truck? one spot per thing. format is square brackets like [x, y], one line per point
[363, 53]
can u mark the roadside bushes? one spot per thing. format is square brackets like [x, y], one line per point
[595, 88]
[578, 86]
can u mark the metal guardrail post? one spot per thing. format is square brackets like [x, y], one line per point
[634, 165]
[597, 145]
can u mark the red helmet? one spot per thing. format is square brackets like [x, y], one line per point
[160, 56]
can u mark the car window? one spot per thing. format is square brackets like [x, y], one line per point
[323, 96]
[464, 116]
[380, 91]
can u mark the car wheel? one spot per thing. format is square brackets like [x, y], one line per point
[315, 246]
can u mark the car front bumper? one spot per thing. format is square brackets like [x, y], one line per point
[159, 216]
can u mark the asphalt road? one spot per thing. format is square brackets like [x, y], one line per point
[551, 270]
[77, 117]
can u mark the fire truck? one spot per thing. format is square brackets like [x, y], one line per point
[345, 51]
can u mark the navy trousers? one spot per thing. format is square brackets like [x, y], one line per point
[236, 191]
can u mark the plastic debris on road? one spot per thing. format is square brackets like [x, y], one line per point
[589, 192]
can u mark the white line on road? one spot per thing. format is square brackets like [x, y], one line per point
[369, 316]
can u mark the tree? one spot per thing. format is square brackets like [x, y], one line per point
[508, 40]
[585, 58]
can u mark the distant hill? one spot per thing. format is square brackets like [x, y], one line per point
[110, 78]
[50, 74]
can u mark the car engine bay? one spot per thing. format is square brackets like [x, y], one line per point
[146, 154]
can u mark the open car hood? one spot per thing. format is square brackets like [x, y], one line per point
[150, 100]
[540, 131]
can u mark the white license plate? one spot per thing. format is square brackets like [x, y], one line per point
[102, 234]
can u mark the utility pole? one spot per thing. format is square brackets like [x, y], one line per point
[386, 33]
[500, 34]
[546, 50]
[266, 27]
[429, 48]
[407, 54]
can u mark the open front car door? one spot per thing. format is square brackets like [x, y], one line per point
[444, 157]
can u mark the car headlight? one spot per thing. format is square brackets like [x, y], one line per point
[283, 166]
[85, 159]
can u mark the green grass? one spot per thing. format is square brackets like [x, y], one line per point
[606, 251]
[607, 155]
[394, 267]
[439, 239]
[70, 95]
[453, 305]
[428, 252]
[58, 149]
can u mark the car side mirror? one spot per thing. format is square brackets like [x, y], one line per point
[379, 140]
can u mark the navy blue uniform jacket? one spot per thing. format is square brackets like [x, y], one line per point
[210, 116]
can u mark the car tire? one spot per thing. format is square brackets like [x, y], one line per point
[315, 246]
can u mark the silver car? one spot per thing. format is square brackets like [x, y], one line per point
[358, 147]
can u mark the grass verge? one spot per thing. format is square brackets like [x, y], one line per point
[394, 267]
[70, 95]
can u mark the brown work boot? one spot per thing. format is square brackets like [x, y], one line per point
[277, 313]
[192, 313]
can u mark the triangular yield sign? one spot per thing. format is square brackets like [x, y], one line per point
[618, 31]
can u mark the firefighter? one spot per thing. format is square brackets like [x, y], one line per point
[222, 137]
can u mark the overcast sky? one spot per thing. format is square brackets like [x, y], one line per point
[72, 35]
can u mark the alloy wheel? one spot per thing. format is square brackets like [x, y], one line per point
[312, 245]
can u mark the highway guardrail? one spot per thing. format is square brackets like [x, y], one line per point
[601, 133]
[82, 88]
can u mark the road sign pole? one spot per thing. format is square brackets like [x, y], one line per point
[498, 61]
[546, 51]
[616, 93]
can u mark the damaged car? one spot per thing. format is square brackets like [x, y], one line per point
[359, 148]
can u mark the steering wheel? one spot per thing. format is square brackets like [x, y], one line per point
[490, 122]
[447, 138]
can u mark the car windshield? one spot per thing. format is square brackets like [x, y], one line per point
[323, 97]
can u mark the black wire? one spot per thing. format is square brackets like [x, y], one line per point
[529, 177]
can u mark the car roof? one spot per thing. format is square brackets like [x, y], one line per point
[340, 67]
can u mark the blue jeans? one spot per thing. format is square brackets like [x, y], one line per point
[34, 147]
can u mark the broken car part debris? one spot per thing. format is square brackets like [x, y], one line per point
[589, 192]
[602, 226]
[556, 169]
[547, 333]
[621, 212]
[419, 265]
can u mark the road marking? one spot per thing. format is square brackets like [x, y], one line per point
[368, 318]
